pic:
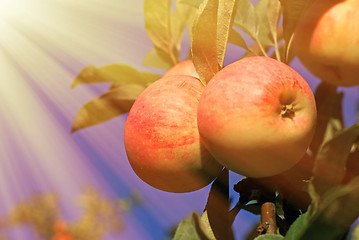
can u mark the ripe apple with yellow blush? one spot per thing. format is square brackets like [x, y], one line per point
[257, 116]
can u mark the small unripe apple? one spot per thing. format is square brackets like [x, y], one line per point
[183, 68]
[257, 116]
[327, 41]
[162, 140]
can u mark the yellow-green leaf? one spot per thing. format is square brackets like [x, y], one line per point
[204, 40]
[206, 226]
[261, 10]
[237, 39]
[293, 11]
[330, 162]
[158, 26]
[193, 3]
[179, 19]
[355, 234]
[152, 59]
[111, 104]
[114, 73]
[246, 18]
[273, 13]
[226, 13]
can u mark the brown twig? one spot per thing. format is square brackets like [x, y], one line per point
[268, 219]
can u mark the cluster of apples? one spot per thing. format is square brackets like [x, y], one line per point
[256, 117]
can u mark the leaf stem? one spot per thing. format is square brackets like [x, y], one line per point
[173, 58]
[261, 47]
[276, 48]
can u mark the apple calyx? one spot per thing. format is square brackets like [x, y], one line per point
[287, 111]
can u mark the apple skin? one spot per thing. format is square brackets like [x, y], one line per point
[327, 41]
[183, 68]
[162, 140]
[242, 120]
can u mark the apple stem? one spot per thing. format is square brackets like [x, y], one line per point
[268, 218]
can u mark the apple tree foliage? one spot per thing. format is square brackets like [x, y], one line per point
[318, 198]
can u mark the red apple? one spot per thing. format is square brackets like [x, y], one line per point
[327, 41]
[257, 116]
[183, 68]
[162, 140]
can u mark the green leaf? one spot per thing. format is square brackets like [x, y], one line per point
[340, 204]
[204, 40]
[114, 73]
[269, 237]
[113, 103]
[186, 230]
[293, 11]
[330, 163]
[192, 228]
[158, 27]
[152, 59]
[331, 217]
[226, 13]
[335, 214]
[297, 228]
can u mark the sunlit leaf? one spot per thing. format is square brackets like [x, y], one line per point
[237, 39]
[264, 34]
[355, 234]
[204, 40]
[186, 230]
[109, 105]
[226, 13]
[293, 11]
[179, 19]
[194, 3]
[273, 13]
[333, 127]
[269, 237]
[152, 59]
[246, 18]
[207, 226]
[330, 163]
[114, 73]
[158, 27]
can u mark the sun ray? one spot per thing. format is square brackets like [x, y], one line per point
[43, 46]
